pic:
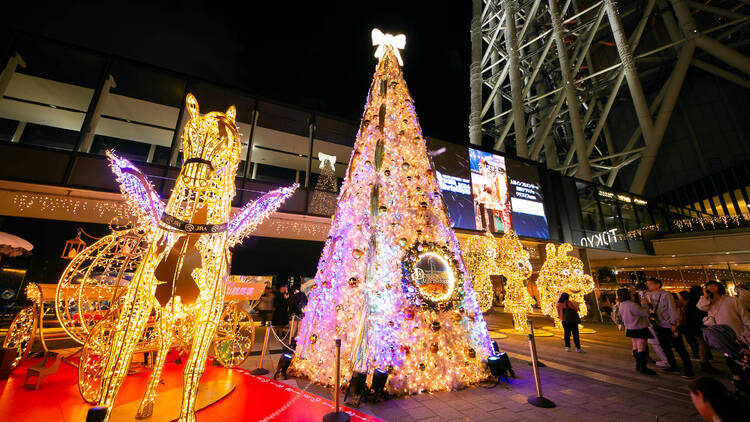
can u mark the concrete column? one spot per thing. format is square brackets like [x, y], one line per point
[511, 43]
[584, 169]
[255, 171]
[18, 132]
[475, 74]
[151, 151]
[311, 128]
[8, 71]
[90, 130]
[251, 144]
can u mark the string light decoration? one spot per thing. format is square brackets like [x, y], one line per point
[184, 268]
[516, 267]
[390, 206]
[44, 203]
[562, 273]
[480, 256]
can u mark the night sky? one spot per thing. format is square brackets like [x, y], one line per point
[316, 55]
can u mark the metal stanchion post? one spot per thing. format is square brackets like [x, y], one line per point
[260, 370]
[337, 415]
[539, 400]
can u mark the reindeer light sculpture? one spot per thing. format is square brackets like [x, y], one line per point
[183, 274]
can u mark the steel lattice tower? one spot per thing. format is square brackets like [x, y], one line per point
[544, 82]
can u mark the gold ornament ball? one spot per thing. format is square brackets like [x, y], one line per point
[471, 353]
[457, 317]
[353, 282]
[357, 253]
[434, 348]
[435, 326]
[422, 367]
[313, 338]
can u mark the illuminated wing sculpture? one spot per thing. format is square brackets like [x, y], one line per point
[252, 214]
[139, 194]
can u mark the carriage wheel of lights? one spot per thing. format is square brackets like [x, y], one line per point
[20, 336]
[95, 352]
[94, 282]
[90, 293]
[234, 337]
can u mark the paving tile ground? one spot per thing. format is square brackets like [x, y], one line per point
[600, 385]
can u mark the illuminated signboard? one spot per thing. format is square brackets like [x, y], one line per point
[483, 190]
[598, 240]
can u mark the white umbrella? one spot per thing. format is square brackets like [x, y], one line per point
[12, 245]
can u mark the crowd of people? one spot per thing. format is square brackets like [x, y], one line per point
[667, 322]
[699, 319]
[279, 304]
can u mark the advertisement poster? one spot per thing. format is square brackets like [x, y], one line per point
[485, 191]
[527, 203]
[489, 184]
[453, 175]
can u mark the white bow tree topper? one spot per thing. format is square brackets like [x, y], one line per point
[396, 42]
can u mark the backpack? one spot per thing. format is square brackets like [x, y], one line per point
[570, 315]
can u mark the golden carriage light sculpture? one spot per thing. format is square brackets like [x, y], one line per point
[180, 283]
[163, 283]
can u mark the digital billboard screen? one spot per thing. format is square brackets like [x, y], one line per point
[486, 191]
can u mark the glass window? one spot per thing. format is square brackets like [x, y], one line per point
[591, 218]
[628, 217]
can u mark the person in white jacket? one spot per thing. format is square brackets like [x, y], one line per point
[634, 317]
[725, 310]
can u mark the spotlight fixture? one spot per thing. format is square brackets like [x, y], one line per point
[357, 385]
[500, 366]
[379, 378]
[283, 365]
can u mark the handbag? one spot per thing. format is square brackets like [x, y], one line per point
[652, 313]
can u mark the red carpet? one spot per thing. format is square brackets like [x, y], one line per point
[254, 399]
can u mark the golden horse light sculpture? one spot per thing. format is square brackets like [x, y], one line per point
[562, 273]
[514, 264]
[184, 270]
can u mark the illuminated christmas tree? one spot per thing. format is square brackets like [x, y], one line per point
[390, 282]
[323, 201]
[516, 267]
[480, 254]
[562, 273]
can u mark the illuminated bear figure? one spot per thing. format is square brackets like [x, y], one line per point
[514, 264]
[480, 256]
[562, 273]
[183, 273]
